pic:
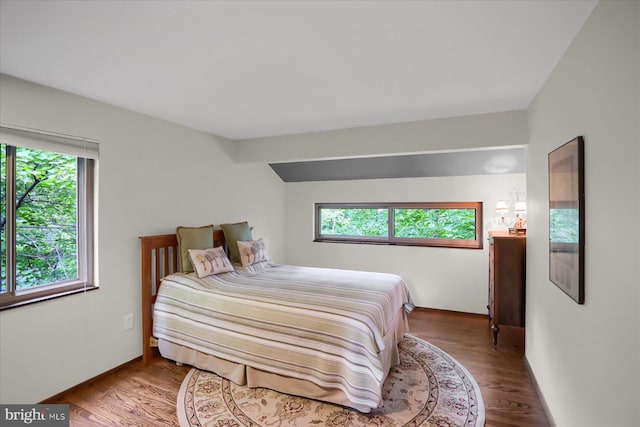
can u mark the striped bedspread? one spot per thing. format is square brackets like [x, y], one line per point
[321, 325]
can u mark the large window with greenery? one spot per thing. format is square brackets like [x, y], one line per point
[46, 216]
[452, 224]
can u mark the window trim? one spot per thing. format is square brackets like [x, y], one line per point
[12, 297]
[401, 241]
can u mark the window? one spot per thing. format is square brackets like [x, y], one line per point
[46, 216]
[454, 224]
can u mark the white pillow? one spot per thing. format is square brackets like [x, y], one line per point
[209, 261]
[252, 251]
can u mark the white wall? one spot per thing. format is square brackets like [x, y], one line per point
[586, 358]
[444, 278]
[153, 176]
[454, 133]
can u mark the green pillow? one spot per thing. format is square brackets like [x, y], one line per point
[233, 233]
[193, 238]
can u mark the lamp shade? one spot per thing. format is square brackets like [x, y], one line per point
[521, 207]
[501, 206]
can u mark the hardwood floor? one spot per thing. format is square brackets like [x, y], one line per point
[508, 391]
[138, 395]
[135, 395]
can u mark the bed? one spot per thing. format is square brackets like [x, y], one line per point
[324, 334]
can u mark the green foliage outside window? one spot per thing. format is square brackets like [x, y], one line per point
[435, 223]
[409, 223]
[3, 218]
[355, 222]
[46, 217]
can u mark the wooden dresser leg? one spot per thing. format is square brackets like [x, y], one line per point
[495, 329]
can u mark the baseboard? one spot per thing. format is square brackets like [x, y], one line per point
[545, 407]
[442, 310]
[60, 395]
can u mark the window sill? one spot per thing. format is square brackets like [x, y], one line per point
[10, 303]
[471, 244]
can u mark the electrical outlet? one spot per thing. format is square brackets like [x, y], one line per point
[128, 322]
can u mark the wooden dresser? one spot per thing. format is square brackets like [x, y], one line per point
[507, 260]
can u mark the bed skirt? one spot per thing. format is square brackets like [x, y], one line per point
[252, 377]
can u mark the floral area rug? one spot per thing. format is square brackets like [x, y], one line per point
[428, 388]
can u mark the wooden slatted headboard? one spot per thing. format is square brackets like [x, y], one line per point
[160, 258]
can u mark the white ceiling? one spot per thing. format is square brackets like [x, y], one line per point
[247, 69]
